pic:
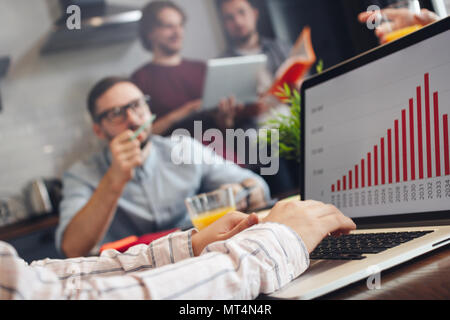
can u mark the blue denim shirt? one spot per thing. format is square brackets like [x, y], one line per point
[154, 199]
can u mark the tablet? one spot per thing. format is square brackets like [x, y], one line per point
[237, 76]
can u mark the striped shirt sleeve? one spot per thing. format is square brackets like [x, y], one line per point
[261, 259]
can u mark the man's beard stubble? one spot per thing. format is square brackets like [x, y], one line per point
[167, 50]
[239, 41]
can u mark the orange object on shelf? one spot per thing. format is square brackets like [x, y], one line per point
[293, 70]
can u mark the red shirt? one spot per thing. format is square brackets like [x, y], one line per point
[170, 87]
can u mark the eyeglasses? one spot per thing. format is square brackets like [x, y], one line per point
[118, 115]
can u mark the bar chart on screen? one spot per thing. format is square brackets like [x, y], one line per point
[393, 159]
[377, 138]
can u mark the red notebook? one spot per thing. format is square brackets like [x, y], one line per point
[126, 243]
[294, 69]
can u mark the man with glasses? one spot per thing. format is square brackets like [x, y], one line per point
[133, 186]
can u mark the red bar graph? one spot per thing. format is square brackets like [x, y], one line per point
[436, 134]
[428, 125]
[397, 152]
[390, 162]
[446, 147]
[375, 165]
[411, 140]
[383, 165]
[389, 136]
[419, 131]
[404, 147]
[362, 174]
[350, 180]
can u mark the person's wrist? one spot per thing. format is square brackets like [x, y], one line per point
[197, 243]
[172, 117]
[115, 183]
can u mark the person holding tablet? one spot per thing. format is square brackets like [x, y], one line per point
[174, 83]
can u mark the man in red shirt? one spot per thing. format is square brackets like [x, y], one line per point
[175, 84]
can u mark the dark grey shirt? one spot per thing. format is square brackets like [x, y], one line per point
[276, 51]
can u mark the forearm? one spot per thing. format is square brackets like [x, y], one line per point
[90, 224]
[172, 248]
[163, 124]
[261, 259]
[66, 279]
[166, 122]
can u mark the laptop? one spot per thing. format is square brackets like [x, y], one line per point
[222, 82]
[375, 143]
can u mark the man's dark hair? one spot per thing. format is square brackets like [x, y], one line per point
[150, 21]
[99, 89]
[221, 2]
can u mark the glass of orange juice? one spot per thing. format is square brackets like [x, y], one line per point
[402, 26]
[206, 208]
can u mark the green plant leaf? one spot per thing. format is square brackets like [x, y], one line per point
[319, 66]
[287, 90]
[287, 125]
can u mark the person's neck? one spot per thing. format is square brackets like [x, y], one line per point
[166, 60]
[252, 43]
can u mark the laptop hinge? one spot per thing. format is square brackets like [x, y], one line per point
[424, 223]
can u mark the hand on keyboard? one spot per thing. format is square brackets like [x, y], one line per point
[312, 220]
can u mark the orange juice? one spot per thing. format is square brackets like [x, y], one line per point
[205, 219]
[394, 35]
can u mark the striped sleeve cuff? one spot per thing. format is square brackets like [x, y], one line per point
[294, 248]
[173, 248]
[286, 249]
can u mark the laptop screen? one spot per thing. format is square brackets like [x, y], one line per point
[376, 138]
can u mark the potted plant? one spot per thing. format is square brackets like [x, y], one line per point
[288, 126]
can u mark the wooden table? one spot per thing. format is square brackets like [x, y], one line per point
[28, 226]
[424, 278]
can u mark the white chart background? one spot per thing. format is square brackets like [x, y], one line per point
[346, 116]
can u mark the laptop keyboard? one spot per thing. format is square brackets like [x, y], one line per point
[353, 246]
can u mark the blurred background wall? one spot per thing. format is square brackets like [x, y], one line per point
[44, 125]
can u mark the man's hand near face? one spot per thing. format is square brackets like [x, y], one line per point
[126, 156]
